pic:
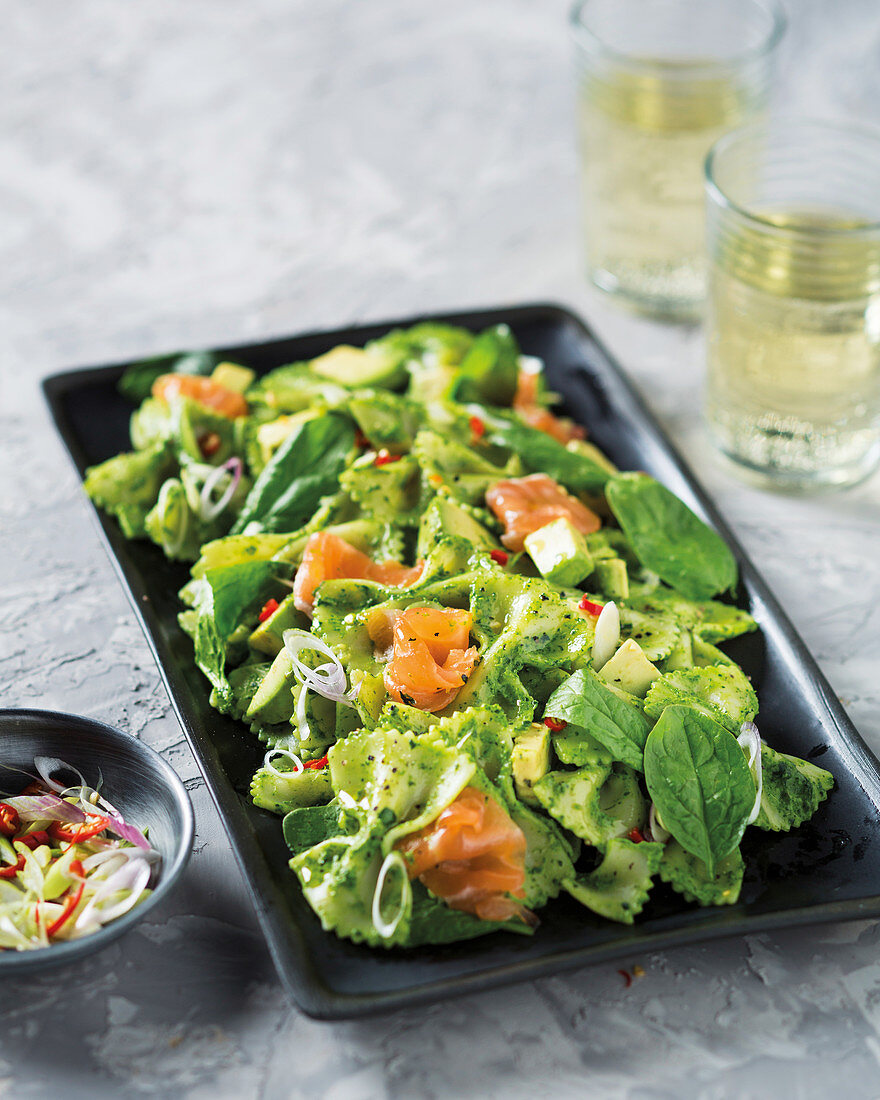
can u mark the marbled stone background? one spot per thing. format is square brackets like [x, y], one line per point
[175, 175]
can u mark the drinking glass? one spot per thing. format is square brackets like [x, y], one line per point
[659, 81]
[793, 319]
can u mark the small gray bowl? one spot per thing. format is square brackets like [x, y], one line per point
[136, 780]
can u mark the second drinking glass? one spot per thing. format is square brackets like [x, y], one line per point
[659, 82]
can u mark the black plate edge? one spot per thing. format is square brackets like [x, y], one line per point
[324, 1004]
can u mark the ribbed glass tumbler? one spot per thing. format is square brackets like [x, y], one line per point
[793, 319]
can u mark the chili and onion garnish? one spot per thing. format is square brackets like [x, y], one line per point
[69, 862]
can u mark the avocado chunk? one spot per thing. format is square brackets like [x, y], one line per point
[560, 552]
[233, 377]
[612, 578]
[594, 802]
[245, 682]
[358, 367]
[591, 451]
[273, 701]
[267, 636]
[443, 517]
[291, 790]
[530, 760]
[630, 669]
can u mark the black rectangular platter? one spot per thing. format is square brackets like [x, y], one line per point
[827, 870]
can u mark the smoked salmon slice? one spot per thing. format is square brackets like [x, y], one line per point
[211, 394]
[428, 651]
[523, 504]
[473, 857]
[329, 557]
[536, 415]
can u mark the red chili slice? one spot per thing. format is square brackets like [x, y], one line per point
[35, 839]
[555, 724]
[316, 765]
[499, 556]
[383, 458]
[477, 427]
[209, 444]
[75, 831]
[9, 820]
[12, 870]
[70, 902]
[269, 608]
[594, 609]
[636, 836]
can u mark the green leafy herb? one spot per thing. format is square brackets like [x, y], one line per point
[433, 922]
[700, 782]
[586, 704]
[310, 825]
[223, 596]
[489, 370]
[305, 468]
[669, 539]
[541, 453]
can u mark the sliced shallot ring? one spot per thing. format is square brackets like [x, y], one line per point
[209, 509]
[176, 543]
[385, 928]
[139, 880]
[40, 807]
[45, 765]
[119, 825]
[607, 635]
[328, 680]
[298, 765]
[302, 718]
[655, 826]
[749, 741]
[299, 641]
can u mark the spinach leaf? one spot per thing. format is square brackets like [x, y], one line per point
[698, 777]
[668, 538]
[543, 454]
[305, 468]
[222, 598]
[137, 380]
[489, 370]
[433, 922]
[307, 826]
[589, 707]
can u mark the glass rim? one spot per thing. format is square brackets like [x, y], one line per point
[754, 130]
[584, 36]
